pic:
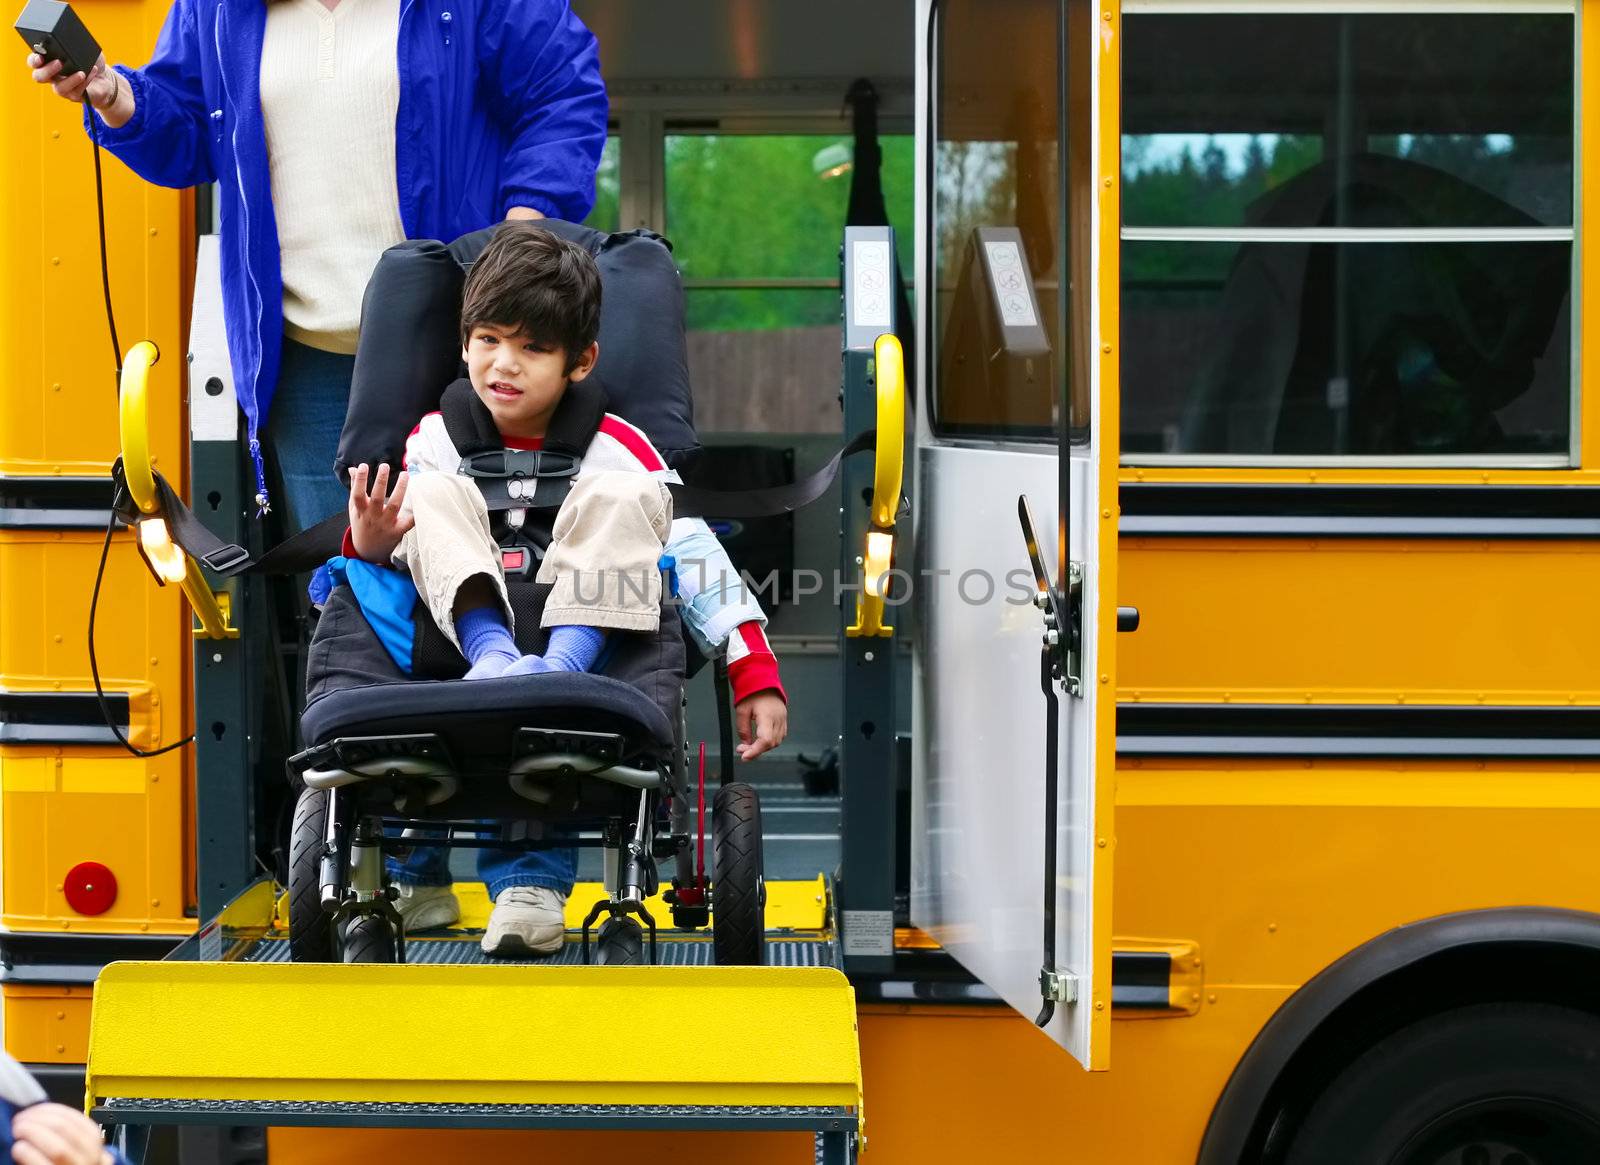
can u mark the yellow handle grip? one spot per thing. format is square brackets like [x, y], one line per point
[889, 458]
[888, 474]
[134, 425]
[166, 558]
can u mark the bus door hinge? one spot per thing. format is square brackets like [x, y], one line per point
[1058, 987]
[1065, 644]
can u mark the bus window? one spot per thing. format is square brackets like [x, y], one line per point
[997, 197]
[607, 212]
[1376, 264]
[755, 222]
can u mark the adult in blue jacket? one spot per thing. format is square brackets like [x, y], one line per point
[334, 129]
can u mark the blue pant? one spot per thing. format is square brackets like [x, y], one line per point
[302, 437]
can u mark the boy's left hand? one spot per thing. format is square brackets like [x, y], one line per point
[53, 1134]
[763, 721]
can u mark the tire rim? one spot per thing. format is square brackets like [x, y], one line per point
[1504, 1130]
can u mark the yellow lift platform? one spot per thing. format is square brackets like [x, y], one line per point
[451, 1040]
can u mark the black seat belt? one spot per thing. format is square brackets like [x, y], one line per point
[312, 547]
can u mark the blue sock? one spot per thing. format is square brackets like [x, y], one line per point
[571, 648]
[486, 642]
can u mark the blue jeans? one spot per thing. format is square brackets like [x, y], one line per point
[302, 437]
[500, 869]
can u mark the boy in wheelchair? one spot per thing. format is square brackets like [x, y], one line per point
[529, 321]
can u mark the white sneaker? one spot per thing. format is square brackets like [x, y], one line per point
[425, 907]
[526, 920]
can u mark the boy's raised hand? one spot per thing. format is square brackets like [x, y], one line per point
[377, 519]
[763, 722]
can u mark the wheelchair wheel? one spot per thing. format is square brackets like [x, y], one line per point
[620, 943]
[738, 892]
[368, 938]
[310, 930]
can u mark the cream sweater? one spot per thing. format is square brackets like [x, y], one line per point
[330, 88]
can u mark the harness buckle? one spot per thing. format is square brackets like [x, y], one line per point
[516, 463]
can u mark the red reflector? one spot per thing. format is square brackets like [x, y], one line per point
[513, 559]
[90, 888]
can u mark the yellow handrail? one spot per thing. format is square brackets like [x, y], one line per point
[888, 474]
[166, 558]
[134, 425]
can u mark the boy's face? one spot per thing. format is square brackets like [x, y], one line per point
[520, 381]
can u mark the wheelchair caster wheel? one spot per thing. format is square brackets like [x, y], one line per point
[620, 943]
[368, 938]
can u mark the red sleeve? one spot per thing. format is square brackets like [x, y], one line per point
[752, 665]
[348, 546]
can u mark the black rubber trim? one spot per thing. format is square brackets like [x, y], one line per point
[1558, 732]
[62, 1083]
[1140, 980]
[59, 717]
[1223, 510]
[922, 976]
[348, 1114]
[1232, 1128]
[72, 959]
[54, 503]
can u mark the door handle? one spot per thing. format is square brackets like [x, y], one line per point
[1127, 619]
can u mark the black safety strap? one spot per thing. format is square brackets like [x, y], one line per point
[306, 551]
[690, 501]
[471, 427]
[310, 548]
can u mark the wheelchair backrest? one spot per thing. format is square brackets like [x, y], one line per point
[410, 346]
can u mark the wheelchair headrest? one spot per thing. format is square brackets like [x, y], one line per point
[410, 346]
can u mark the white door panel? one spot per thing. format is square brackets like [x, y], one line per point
[978, 813]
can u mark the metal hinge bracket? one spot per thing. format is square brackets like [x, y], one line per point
[1058, 987]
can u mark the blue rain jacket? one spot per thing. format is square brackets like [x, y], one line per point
[501, 105]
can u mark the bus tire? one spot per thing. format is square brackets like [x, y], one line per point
[738, 891]
[1485, 1082]
[310, 927]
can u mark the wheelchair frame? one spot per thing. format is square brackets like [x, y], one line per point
[357, 776]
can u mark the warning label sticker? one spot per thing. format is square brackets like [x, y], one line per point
[868, 932]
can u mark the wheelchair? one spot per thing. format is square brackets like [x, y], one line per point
[390, 762]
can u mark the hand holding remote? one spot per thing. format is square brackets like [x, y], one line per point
[99, 85]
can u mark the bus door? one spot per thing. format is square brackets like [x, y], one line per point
[1009, 874]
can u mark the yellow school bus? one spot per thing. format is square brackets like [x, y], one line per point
[1273, 311]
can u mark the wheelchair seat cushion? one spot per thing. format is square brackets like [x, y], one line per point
[478, 719]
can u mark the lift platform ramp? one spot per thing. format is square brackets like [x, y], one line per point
[226, 1031]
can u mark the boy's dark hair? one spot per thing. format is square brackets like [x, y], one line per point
[527, 278]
